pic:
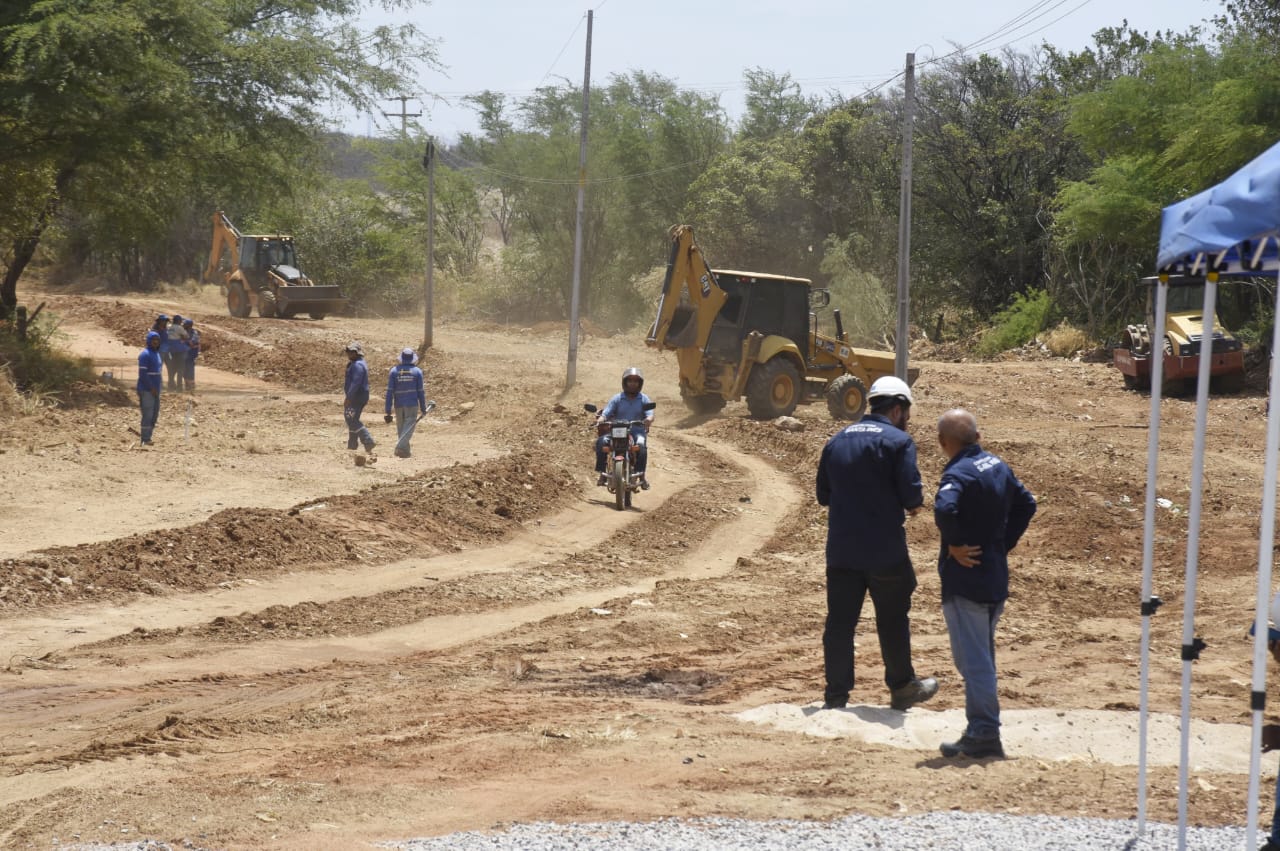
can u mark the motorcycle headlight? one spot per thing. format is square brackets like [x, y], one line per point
[619, 431]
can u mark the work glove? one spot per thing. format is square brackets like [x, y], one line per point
[386, 418]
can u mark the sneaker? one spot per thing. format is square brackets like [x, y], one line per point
[916, 691]
[602, 480]
[972, 747]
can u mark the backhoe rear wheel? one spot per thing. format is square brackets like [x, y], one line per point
[773, 389]
[238, 301]
[847, 397]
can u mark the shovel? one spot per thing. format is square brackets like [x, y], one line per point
[404, 441]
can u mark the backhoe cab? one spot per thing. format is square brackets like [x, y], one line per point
[1180, 343]
[748, 334]
[264, 274]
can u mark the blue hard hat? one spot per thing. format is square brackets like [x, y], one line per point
[164, 317]
[408, 356]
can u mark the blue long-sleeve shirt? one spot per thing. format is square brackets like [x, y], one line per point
[149, 371]
[980, 502]
[357, 378]
[405, 388]
[624, 407]
[868, 478]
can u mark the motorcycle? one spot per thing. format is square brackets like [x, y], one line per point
[621, 456]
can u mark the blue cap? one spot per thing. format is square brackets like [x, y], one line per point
[187, 323]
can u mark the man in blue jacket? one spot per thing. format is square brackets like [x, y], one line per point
[148, 387]
[868, 478]
[406, 392]
[355, 396]
[981, 510]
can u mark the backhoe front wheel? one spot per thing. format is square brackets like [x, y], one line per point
[238, 301]
[773, 389]
[847, 397]
[266, 304]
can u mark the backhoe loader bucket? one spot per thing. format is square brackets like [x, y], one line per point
[314, 300]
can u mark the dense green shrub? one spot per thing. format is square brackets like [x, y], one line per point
[1018, 323]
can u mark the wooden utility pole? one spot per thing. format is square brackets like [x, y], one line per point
[904, 222]
[428, 294]
[571, 375]
[403, 114]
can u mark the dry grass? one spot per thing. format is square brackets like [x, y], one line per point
[1065, 340]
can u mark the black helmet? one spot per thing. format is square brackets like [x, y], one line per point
[630, 372]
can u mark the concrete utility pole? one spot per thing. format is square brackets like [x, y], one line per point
[428, 294]
[403, 115]
[571, 375]
[904, 222]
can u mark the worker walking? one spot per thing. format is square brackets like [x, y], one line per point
[175, 359]
[148, 387]
[407, 394]
[193, 352]
[981, 511]
[356, 396]
[868, 478]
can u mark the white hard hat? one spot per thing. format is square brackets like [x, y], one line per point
[890, 385]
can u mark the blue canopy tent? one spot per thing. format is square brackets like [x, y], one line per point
[1231, 230]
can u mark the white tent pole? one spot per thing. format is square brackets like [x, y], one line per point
[1150, 603]
[1266, 540]
[1191, 645]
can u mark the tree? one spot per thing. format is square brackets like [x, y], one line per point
[92, 94]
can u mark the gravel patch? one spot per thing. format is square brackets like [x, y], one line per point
[934, 831]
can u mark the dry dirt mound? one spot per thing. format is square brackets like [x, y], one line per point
[430, 513]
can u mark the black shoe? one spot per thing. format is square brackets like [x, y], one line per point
[835, 704]
[602, 480]
[973, 747]
[916, 691]
[1271, 845]
[644, 484]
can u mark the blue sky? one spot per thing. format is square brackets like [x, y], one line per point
[514, 46]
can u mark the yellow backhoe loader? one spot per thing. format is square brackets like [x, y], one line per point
[264, 274]
[745, 333]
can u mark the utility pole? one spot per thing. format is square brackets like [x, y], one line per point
[403, 114]
[571, 376]
[428, 294]
[904, 222]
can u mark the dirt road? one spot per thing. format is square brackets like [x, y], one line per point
[241, 639]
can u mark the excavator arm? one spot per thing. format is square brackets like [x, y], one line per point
[225, 237]
[691, 297]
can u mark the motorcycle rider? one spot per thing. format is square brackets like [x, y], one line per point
[627, 405]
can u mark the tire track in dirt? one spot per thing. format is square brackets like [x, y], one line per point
[165, 703]
[770, 493]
